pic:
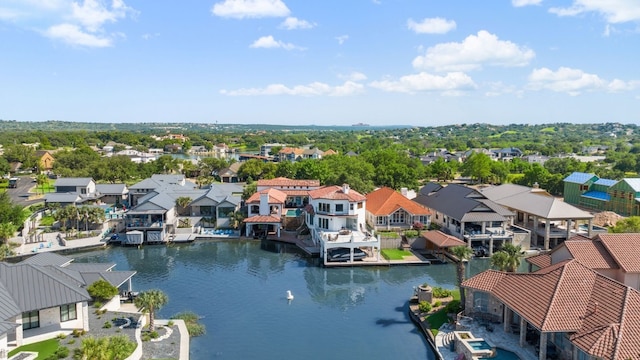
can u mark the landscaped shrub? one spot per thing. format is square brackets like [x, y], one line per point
[62, 352]
[107, 325]
[453, 307]
[424, 306]
[438, 303]
[439, 292]
[191, 321]
[411, 233]
[102, 290]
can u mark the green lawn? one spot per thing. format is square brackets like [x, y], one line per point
[44, 348]
[395, 254]
[549, 129]
[440, 317]
[388, 234]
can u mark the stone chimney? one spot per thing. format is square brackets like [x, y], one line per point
[345, 188]
[404, 191]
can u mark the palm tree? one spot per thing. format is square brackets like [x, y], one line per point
[462, 253]
[150, 301]
[508, 258]
[235, 219]
[182, 202]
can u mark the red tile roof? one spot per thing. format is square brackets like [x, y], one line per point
[275, 196]
[262, 219]
[386, 201]
[336, 192]
[441, 239]
[541, 261]
[590, 253]
[602, 314]
[283, 181]
[624, 248]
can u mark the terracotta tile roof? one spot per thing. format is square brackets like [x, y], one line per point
[602, 314]
[441, 239]
[275, 196]
[336, 192]
[385, 201]
[291, 150]
[624, 248]
[262, 219]
[592, 254]
[541, 261]
[329, 152]
[283, 181]
[295, 192]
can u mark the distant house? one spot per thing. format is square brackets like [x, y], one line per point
[73, 191]
[388, 209]
[113, 194]
[265, 149]
[314, 153]
[230, 174]
[507, 153]
[290, 154]
[566, 310]
[219, 201]
[45, 160]
[45, 296]
[590, 191]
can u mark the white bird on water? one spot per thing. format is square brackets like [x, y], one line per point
[289, 295]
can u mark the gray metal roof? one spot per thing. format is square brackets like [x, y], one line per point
[90, 267]
[115, 278]
[145, 184]
[5, 326]
[112, 189]
[464, 204]
[62, 198]
[429, 188]
[73, 181]
[8, 306]
[536, 203]
[32, 287]
[47, 258]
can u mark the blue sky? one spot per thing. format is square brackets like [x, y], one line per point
[321, 62]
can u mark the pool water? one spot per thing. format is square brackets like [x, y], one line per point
[293, 212]
[479, 345]
[502, 354]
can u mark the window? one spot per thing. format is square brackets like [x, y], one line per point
[30, 320]
[224, 212]
[351, 206]
[584, 187]
[255, 209]
[68, 312]
[480, 301]
[323, 223]
[339, 208]
[381, 220]
[324, 207]
[397, 217]
[359, 205]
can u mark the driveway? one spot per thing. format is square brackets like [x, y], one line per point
[21, 195]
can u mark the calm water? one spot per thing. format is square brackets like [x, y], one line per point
[239, 289]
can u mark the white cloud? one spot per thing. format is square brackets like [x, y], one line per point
[92, 14]
[450, 84]
[521, 3]
[354, 76]
[614, 11]
[314, 89]
[342, 38]
[73, 35]
[268, 42]
[617, 85]
[571, 81]
[240, 9]
[474, 52]
[75, 22]
[292, 23]
[431, 26]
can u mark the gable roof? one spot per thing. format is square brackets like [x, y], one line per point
[464, 204]
[336, 192]
[624, 248]
[634, 183]
[533, 201]
[579, 177]
[429, 188]
[385, 201]
[75, 181]
[8, 306]
[275, 196]
[592, 254]
[441, 239]
[112, 189]
[602, 314]
[47, 258]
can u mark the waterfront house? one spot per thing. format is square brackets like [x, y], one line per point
[113, 194]
[467, 214]
[549, 219]
[265, 213]
[218, 202]
[45, 295]
[599, 194]
[612, 255]
[297, 190]
[336, 218]
[75, 191]
[566, 310]
[230, 173]
[388, 209]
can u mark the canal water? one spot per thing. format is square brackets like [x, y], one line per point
[239, 289]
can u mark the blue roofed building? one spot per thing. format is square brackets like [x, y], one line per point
[591, 192]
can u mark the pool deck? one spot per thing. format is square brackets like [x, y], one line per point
[497, 338]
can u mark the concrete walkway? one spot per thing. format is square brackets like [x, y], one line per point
[51, 243]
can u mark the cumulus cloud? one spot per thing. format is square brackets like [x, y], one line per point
[521, 3]
[614, 12]
[292, 23]
[73, 35]
[450, 84]
[240, 9]
[268, 42]
[75, 22]
[473, 53]
[431, 26]
[571, 81]
[354, 76]
[342, 38]
[314, 89]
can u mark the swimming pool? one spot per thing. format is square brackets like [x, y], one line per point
[293, 212]
[479, 345]
[502, 354]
